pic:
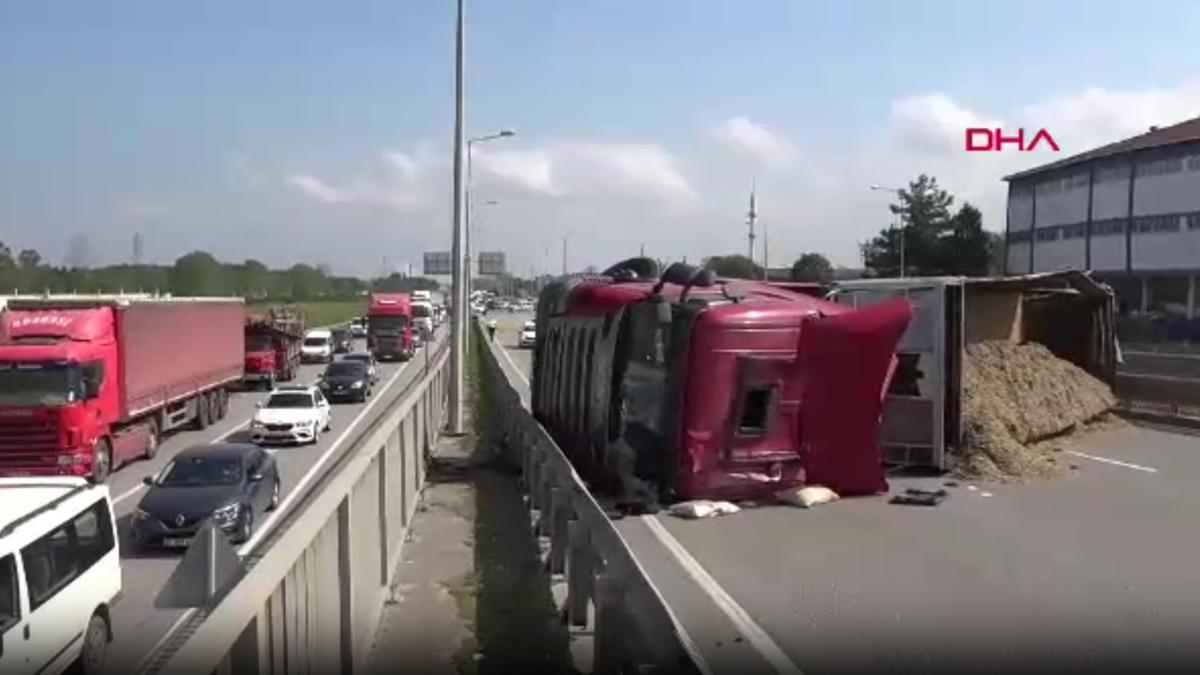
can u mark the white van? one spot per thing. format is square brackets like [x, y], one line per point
[60, 574]
[317, 346]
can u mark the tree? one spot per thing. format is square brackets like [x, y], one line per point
[197, 274]
[812, 267]
[6, 259]
[29, 259]
[734, 266]
[996, 253]
[935, 240]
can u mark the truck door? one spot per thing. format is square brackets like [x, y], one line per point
[843, 364]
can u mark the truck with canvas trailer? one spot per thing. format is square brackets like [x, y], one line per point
[89, 384]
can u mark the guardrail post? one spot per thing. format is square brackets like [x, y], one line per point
[346, 585]
[609, 647]
[385, 530]
[546, 497]
[561, 512]
[579, 572]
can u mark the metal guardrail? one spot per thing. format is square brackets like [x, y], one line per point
[1164, 383]
[634, 629]
[313, 600]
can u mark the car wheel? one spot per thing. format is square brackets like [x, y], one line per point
[274, 497]
[246, 528]
[95, 646]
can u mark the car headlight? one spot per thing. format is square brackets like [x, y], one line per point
[227, 512]
[256, 424]
[357, 385]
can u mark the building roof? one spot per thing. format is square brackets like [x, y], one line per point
[1156, 137]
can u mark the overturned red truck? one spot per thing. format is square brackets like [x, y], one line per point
[88, 384]
[687, 386]
[273, 347]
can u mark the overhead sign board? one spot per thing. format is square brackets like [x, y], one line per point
[438, 262]
[491, 263]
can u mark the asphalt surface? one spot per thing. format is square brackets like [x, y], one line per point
[138, 625]
[1098, 569]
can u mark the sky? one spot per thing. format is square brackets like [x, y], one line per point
[322, 132]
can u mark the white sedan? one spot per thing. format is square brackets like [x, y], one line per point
[528, 335]
[291, 415]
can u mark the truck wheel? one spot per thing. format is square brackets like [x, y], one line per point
[202, 417]
[152, 439]
[101, 461]
[220, 404]
[95, 646]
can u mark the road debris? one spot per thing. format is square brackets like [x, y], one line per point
[1018, 402]
[915, 497]
[807, 497]
[702, 508]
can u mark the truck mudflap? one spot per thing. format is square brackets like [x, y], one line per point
[844, 364]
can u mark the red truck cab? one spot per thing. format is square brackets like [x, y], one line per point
[272, 348]
[389, 326]
[688, 386]
[90, 384]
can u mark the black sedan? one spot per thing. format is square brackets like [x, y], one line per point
[346, 380]
[367, 358]
[231, 483]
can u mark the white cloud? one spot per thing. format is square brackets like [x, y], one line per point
[589, 169]
[754, 140]
[399, 187]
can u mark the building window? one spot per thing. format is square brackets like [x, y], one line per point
[1160, 168]
[1047, 234]
[1156, 224]
[1104, 228]
[1193, 163]
[1018, 236]
[1111, 174]
[1079, 181]
[1193, 221]
[1076, 231]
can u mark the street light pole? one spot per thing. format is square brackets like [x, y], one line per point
[503, 133]
[903, 267]
[458, 324]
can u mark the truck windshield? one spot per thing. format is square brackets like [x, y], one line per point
[388, 324]
[39, 384]
[198, 471]
[258, 343]
[420, 311]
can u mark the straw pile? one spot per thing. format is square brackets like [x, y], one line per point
[1018, 401]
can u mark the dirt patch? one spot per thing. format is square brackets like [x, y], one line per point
[1021, 406]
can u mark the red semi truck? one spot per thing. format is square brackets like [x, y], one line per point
[273, 347]
[87, 385]
[389, 326]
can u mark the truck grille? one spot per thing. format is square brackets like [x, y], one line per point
[28, 434]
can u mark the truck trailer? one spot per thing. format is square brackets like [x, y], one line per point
[89, 384]
[273, 345]
[1068, 311]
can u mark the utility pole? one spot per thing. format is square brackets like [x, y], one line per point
[750, 219]
[766, 255]
[458, 325]
[564, 255]
[642, 251]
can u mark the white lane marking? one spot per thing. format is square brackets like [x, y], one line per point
[516, 368]
[750, 630]
[270, 521]
[1114, 462]
[320, 463]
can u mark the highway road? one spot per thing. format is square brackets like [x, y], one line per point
[138, 626]
[1099, 569]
